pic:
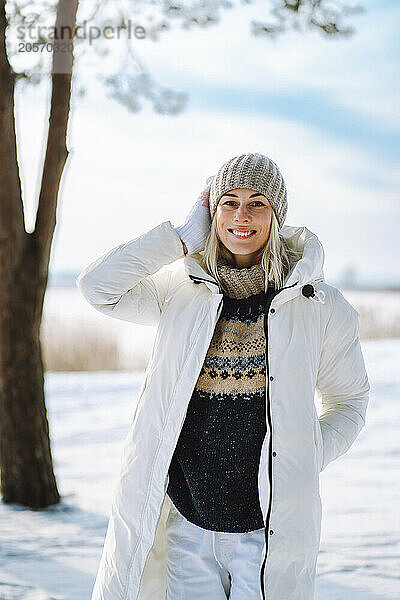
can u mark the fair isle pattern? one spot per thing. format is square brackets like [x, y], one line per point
[235, 361]
[254, 171]
[214, 469]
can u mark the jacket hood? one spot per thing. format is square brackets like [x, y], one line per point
[309, 269]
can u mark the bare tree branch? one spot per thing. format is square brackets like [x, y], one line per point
[11, 206]
[160, 17]
[56, 150]
[300, 15]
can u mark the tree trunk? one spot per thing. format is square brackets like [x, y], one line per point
[27, 475]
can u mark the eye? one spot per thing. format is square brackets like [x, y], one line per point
[259, 202]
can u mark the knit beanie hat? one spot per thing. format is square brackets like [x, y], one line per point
[254, 171]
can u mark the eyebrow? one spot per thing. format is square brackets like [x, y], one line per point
[235, 195]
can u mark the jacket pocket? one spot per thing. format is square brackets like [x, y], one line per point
[141, 392]
[319, 443]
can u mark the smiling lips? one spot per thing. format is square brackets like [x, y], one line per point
[242, 234]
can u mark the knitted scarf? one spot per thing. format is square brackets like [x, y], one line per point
[240, 282]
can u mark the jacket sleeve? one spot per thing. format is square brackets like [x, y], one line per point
[124, 283]
[342, 381]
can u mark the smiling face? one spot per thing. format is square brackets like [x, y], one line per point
[244, 219]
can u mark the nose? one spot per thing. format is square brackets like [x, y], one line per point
[241, 214]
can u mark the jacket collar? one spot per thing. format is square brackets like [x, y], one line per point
[308, 270]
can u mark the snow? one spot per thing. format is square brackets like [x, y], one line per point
[53, 554]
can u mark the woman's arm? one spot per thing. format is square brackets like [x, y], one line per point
[342, 381]
[124, 283]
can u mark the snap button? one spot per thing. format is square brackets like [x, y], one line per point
[270, 532]
[272, 310]
[271, 378]
[307, 290]
[274, 454]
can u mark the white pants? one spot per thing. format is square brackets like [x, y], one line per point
[210, 565]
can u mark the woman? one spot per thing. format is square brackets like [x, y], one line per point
[218, 494]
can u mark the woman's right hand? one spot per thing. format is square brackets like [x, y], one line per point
[196, 228]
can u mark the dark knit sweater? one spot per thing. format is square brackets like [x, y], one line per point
[213, 475]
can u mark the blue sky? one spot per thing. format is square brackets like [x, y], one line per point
[325, 110]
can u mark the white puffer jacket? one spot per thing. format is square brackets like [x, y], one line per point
[313, 350]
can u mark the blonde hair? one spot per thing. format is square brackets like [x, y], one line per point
[276, 256]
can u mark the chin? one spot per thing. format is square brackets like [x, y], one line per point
[240, 249]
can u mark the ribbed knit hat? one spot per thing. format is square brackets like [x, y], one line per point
[254, 171]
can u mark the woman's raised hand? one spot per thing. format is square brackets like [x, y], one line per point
[196, 228]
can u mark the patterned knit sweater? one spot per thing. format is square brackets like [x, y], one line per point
[213, 475]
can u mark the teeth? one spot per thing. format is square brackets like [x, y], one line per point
[241, 233]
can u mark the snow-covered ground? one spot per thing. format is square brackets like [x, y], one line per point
[53, 554]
